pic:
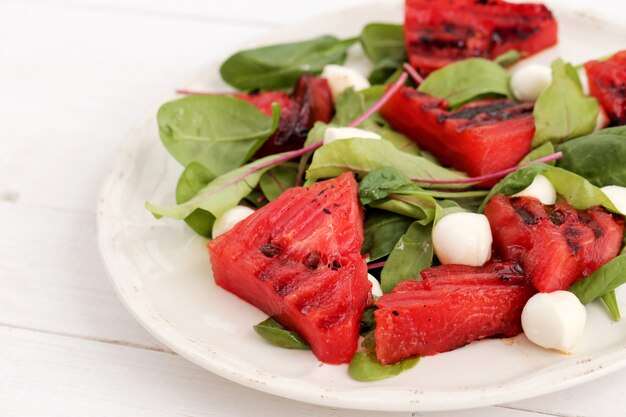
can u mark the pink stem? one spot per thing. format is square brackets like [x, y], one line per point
[491, 176]
[376, 265]
[413, 73]
[381, 102]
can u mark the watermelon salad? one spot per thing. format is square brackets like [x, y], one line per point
[453, 193]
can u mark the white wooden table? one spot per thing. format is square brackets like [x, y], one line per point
[75, 76]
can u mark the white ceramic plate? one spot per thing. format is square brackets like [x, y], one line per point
[161, 271]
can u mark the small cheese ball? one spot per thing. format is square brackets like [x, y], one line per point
[463, 238]
[341, 78]
[529, 81]
[376, 290]
[542, 189]
[617, 195]
[229, 219]
[554, 320]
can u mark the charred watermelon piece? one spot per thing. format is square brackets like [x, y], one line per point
[438, 32]
[298, 260]
[556, 246]
[451, 306]
[607, 83]
[479, 138]
[310, 101]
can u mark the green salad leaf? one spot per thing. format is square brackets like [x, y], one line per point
[599, 157]
[279, 66]
[383, 43]
[508, 58]
[604, 280]
[539, 152]
[562, 111]
[278, 179]
[276, 334]
[220, 132]
[221, 194]
[610, 300]
[381, 231]
[411, 255]
[365, 367]
[467, 80]
[365, 155]
[193, 179]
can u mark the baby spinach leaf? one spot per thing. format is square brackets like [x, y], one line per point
[562, 111]
[279, 66]
[417, 205]
[365, 155]
[368, 321]
[276, 334]
[610, 300]
[515, 182]
[383, 44]
[467, 80]
[365, 367]
[539, 152]
[508, 58]
[577, 191]
[412, 254]
[381, 182]
[278, 179]
[193, 179]
[604, 280]
[381, 231]
[599, 157]
[221, 194]
[219, 132]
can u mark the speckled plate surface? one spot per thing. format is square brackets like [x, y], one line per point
[161, 271]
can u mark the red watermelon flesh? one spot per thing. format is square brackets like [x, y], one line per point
[607, 83]
[438, 32]
[479, 138]
[298, 259]
[555, 245]
[454, 305]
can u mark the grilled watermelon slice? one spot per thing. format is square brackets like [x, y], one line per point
[438, 32]
[451, 306]
[298, 259]
[479, 138]
[555, 245]
[311, 101]
[607, 83]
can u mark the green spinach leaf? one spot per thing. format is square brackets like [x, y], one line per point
[381, 182]
[278, 179]
[599, 157]
[604, 280]
[610, 300]
[276, 334]
[381, 231]
[279, 66]
[562, 111]
[467, 80]
[365, 155]
[365, 367]
[383, 44]
[221, 194]
[577, 191]
[412, 254]
[539, 152]
[219, 132]
[508, 58]
[193, 179]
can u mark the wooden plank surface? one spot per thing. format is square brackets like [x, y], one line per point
[75, 76]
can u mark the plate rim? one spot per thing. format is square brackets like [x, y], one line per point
[405, 400]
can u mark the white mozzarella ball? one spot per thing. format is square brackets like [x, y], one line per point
[554, 320]
[542, 189]
[617, 195]
[463, 238]
[376, 290]
[602, 120]
[529, 81]
[341, 78]
[229, 219]
[338, 133]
